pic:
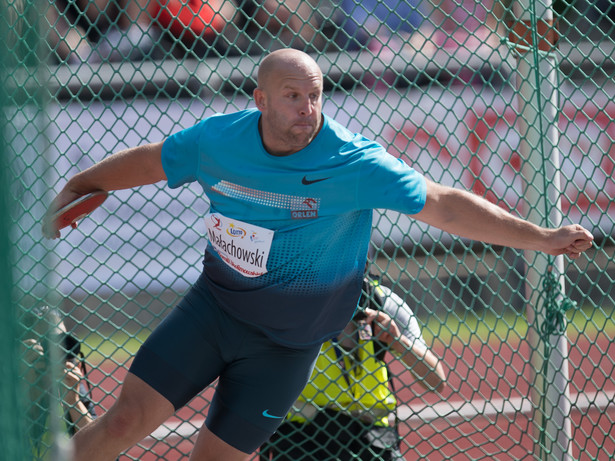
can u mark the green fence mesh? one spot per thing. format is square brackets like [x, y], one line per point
[11, 426]
[513, 100]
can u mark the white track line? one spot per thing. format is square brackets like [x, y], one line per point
[454, 411]
[419, 415]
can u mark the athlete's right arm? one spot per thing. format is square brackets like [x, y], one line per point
[132, 167]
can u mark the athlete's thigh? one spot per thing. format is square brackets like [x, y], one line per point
[257, 390]
[182, 356]
[274, 376]
[209, 447]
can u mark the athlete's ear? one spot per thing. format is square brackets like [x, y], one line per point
[259, 98]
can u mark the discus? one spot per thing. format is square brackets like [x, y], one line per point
[69, 214]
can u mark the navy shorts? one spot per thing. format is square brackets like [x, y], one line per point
[259, 380]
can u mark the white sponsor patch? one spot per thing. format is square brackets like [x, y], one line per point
[243, 246]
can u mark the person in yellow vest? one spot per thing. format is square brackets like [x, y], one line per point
[347, 410]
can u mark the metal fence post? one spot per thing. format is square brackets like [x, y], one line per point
[534, 36]
[12, 431]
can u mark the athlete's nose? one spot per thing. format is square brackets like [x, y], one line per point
[307, 106]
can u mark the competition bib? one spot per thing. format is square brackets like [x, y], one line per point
[243, 246]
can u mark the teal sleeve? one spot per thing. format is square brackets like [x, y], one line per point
[181, 154]
[388, 182]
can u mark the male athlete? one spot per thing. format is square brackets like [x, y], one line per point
[292, 194]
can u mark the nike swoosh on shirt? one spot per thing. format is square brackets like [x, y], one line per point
[306, 182]
[266, 414]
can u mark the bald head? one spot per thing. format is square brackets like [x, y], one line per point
[289, 96]
[286, 61]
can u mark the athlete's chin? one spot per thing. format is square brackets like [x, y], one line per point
[301, 142]
[304, 129]
[304, 133]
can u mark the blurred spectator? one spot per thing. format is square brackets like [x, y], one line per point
[68, 40]
[365, 20]
[238, 26]
[44, 328]
[605, 14]
[593, 18]
[470, 24]
[100, 30]
[420, 25]
[293, 22]
[198, 24]
[130, 34]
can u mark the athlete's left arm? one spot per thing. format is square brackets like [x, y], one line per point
[467, 215]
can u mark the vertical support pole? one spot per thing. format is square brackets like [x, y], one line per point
[534, 37]
[12, 424]
[12, 427]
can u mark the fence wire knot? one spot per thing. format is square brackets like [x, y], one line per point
[556, 304]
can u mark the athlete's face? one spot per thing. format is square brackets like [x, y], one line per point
[291, 107]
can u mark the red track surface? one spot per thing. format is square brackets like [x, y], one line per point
[481, 377]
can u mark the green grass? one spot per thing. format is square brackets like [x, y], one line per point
[484, 327]
[118, 345]
[441, 330]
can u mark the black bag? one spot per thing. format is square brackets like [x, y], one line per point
[332, 435]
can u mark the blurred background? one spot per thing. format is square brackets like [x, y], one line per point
[513, 100]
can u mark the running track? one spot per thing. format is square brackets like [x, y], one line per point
[484, 414]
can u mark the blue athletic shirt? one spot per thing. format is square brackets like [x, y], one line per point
[318, 203]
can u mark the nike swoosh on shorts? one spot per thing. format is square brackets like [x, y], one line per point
[266, 414]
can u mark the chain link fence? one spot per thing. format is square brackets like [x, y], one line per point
[514, 101]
